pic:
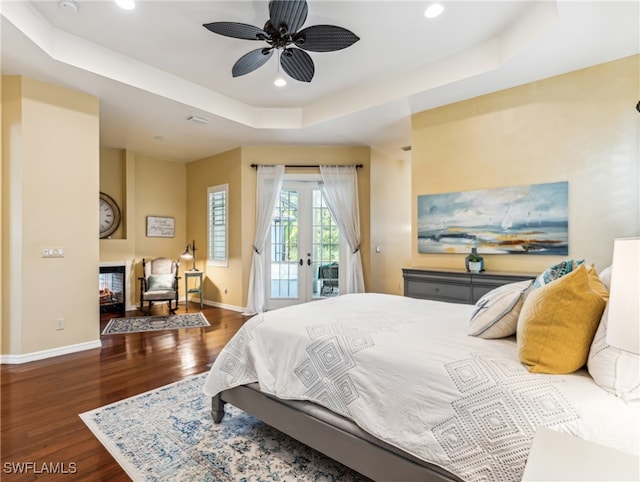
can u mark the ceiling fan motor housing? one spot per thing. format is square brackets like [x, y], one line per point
[281, 32]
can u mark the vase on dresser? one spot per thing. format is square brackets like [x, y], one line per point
[474, 262]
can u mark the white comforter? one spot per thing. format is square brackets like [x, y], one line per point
[405, 370]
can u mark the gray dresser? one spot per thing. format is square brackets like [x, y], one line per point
[455, 286]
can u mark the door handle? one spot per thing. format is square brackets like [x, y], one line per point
[308, 261]
[301, 262]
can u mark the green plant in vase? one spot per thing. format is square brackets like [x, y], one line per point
[474, 262]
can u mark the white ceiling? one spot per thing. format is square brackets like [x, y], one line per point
[154, 66]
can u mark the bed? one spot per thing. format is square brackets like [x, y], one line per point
[396, 389]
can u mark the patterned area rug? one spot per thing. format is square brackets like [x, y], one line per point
[168, 434]
[118, 326]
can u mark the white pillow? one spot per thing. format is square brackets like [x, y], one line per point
[615, 370]
[496, 313]
[605, 277]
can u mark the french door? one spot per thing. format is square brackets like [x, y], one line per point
[304, 245]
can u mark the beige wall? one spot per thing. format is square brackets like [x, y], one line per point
[160, 190]
[390, 222]
[220, 169]
[580, 127]
[49, 199]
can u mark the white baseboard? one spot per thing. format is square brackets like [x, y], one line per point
[225, 306]
[41, 355]
[217, 304]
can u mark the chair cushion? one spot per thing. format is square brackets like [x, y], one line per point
[558, 321]
[496, 313]
[157, 282]
[159, 295]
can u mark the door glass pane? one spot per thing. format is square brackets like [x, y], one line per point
[284, 246]
[326, 249]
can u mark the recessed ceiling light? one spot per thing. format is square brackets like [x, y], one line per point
[126, 4]
[68, 6]
[280, 82]
[433, 10]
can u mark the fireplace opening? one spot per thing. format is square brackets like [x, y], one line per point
[112, 289]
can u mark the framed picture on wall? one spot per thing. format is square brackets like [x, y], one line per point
[532, 219]
[161, 227]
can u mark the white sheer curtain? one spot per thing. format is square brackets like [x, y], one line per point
[340, 189]
[268, 185]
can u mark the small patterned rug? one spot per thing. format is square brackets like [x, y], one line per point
[118, 326]
[167, 434]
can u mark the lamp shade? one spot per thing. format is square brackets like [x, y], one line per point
[623, 321]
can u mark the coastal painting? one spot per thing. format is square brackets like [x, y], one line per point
[531, 219]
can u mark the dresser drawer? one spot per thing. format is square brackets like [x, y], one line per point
[455, 286]
[478, 292]
[439, 291]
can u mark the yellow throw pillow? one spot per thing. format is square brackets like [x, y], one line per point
[596, 283]
[557, 324]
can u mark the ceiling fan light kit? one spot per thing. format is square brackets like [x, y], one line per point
[434, 10]
[282, 32]
[126, 4]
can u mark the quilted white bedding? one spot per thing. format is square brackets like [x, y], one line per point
[405, 371]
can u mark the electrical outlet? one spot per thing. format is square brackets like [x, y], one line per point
[60, 324]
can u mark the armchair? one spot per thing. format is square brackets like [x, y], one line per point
[159, 283]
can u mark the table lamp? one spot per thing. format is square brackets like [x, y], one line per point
[623, 321]
[190, 253]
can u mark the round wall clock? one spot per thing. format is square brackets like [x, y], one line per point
[109, 215]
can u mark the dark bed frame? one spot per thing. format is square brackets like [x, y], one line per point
[354, 448]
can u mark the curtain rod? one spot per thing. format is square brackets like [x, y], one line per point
[255, 166]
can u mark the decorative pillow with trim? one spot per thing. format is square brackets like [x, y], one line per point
[496, 313]
[160, 282]
[557, 323]
[605, 277]
[617, 371]
[556, 271]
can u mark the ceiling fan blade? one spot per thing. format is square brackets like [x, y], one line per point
[290, 13]
[325, 38]
[236, 30]
[251, 61]
[297, 64]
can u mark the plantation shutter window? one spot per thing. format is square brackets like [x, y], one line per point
[217, 235]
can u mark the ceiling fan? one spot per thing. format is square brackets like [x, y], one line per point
[281, 33]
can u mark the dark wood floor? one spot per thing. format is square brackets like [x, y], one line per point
[41, 400]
